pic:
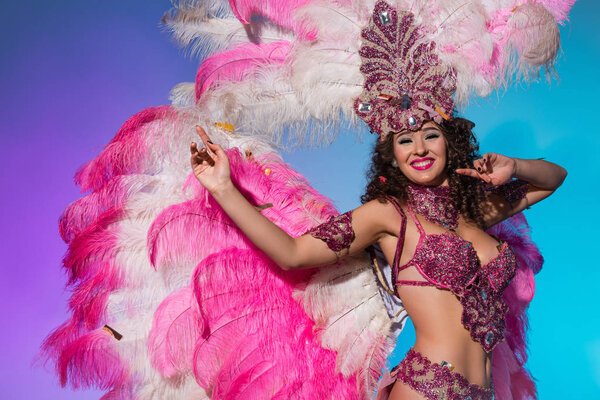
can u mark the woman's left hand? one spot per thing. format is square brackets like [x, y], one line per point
[494, 169]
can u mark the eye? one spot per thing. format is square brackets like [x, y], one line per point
[431, 136]
[405, 140]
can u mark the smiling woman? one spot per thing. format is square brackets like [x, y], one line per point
[454, 300]
[421, 155]
[195, 284]
[450, 145]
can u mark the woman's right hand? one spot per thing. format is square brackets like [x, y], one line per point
[210, 163]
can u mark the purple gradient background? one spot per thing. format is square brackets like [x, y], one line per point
[72, 73]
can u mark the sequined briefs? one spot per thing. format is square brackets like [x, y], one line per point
[437, 381]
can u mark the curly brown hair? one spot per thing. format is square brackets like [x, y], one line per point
[467, 193]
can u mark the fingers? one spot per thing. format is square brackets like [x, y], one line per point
[205, 139]
[194, 148]
[203, 136]
[212, 147]
[484, 165]
[474, 174]
[468, 172]
[479, 165]
[485, 177]
[200, 157]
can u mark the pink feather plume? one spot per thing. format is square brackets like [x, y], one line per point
[258, 341]
[90, 361]
[278, 12]
[511, 380]
[175, 329]
[126, 153]
[238, 63]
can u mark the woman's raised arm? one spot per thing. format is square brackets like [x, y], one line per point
[542, 178]
[365, 224]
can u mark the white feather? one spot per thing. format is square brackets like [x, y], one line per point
[350, 317]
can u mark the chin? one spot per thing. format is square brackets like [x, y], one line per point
[427, 179]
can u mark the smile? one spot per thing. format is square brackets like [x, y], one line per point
[422, 163]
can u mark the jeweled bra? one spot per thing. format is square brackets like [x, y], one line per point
[449, 262]
[446, 260]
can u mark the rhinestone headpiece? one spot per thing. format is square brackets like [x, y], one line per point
[405, 82]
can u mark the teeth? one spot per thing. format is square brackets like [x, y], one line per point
[422, 163]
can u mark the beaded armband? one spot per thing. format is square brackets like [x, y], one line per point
[511, 191]
[337, 233]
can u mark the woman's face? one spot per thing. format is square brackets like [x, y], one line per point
[421, 155]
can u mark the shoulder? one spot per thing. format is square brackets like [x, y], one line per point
[381, 205]
[383, 213]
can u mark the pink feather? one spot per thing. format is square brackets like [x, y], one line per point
[558, 8]
[79, 214]
[511, 379]
[194, 229]
[259, 341]
[175, 329]
[91, 361]
[534, 33]
[278, 12]
[126, 153]
[238, 64]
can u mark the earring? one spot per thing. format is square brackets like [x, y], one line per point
[395, 163]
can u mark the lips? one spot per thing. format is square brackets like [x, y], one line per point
[422, 164]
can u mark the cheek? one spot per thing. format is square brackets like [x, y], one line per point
[400, 153]
[442, 150]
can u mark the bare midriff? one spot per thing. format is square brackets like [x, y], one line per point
[440, 335]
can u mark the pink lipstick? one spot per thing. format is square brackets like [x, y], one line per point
[422, 164]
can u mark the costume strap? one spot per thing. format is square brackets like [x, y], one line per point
[400, 244]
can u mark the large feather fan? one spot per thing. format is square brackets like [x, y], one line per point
[170, 300]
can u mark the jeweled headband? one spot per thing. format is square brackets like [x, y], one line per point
[405, 82]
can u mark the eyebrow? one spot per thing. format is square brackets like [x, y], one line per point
[429, 128]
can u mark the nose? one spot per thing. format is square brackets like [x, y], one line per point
[420, 148]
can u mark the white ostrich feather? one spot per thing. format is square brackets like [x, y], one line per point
[350, 317]
[203, 34]
[534, 34]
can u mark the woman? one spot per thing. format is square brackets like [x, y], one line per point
[427, 209]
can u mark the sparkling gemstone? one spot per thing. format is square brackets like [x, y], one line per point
[483, 294]
[385, 17]
[489, 338]
[406, 102]
[365, 107]
[468, 398]
[412, 121]
[445, 364]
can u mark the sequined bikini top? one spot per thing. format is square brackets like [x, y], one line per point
[449, 262]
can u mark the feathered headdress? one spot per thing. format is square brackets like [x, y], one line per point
[298, 67]
[405, 82]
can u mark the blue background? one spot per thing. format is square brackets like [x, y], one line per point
[72, 72]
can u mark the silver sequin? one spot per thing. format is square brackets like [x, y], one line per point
[365, 107]
[385, 17]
